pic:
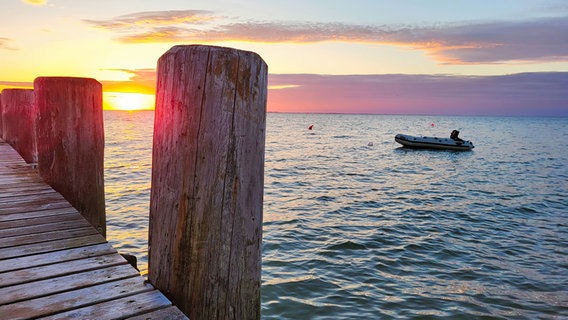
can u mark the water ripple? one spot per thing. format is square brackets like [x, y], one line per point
[390, 233]
[360, 231]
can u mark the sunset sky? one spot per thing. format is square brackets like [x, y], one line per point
[498, 57]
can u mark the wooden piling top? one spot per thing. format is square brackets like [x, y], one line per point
[55, 265]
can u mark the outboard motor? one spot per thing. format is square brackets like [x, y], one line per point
[454, 135]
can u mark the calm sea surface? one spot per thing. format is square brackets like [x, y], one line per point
[356, 227]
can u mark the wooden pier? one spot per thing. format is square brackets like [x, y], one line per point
[55, 265]
[205, 224]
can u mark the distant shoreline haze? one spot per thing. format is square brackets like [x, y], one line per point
[521, 94]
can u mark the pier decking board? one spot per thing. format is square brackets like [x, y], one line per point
[29, 215]
[33, 225]
[51, 206]
[50, 246]
[54, 265]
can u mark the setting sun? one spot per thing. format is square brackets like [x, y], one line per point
[128, 101]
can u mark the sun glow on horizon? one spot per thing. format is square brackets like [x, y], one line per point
[128, 101]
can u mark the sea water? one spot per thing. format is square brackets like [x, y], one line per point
[356, 227]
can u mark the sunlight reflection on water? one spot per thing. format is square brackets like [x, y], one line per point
[128, 161]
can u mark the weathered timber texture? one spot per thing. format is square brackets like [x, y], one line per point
[207, 181]
[18, 118]
[55, 265]
[70, 139]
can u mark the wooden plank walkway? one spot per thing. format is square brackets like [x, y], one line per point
[54, 265]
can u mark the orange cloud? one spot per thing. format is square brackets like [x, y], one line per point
[154, 19]
[467, 43]
[15, 84]
[140, 81]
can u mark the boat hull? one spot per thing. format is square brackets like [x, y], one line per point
[433, 143]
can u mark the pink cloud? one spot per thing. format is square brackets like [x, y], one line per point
[524, 94]
[519, 94]
[534, 40]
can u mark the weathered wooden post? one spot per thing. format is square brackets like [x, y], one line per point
[207, 181]
[70, 139]
[19, 114]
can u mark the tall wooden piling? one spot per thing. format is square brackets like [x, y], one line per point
[207, 181]
[70, 139]
[19, 114]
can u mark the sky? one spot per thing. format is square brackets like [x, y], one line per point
[439, 57]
